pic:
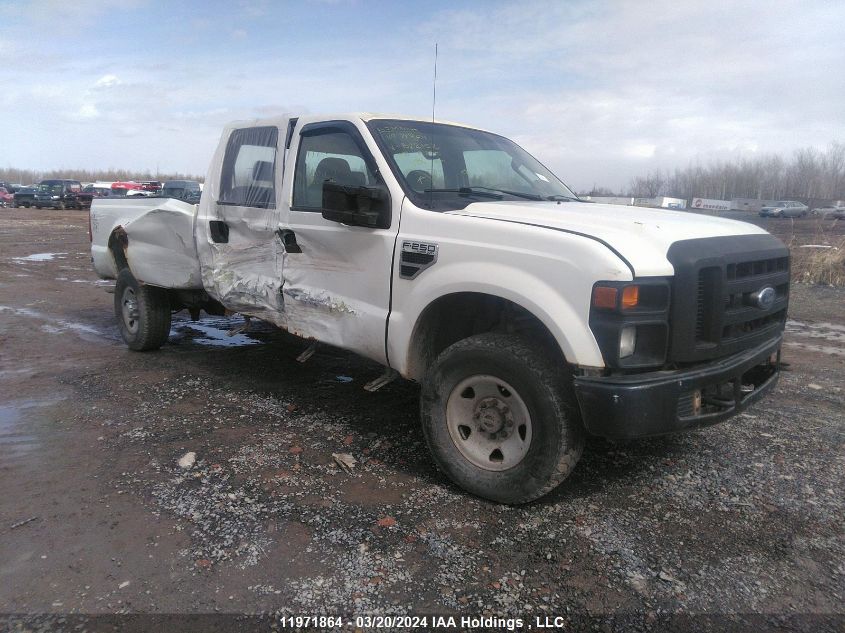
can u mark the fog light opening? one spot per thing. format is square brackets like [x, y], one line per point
[696, 402]
[627, 341]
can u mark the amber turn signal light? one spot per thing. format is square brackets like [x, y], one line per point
[604, 297]
[630, 297]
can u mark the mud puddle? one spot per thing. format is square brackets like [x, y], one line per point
[827, 338]
[217, 332]
[16, 439]
[39, 257]
[56, 325]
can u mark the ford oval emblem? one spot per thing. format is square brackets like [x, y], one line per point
[764, 298]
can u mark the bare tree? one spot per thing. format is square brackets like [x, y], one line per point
[810, 175]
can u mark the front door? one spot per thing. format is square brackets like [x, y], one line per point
[238, 219]
[336, 277]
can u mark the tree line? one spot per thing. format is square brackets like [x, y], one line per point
[29, 176]
[810, 175]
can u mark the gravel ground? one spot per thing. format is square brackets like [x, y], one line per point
[744, 519]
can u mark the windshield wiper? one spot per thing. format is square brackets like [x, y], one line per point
[486, 191]
[560, 198]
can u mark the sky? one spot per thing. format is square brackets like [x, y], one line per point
[599, 90]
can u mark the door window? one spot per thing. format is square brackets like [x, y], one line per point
[249, 168]
[327, 156]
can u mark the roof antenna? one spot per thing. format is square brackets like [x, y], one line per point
[433, 106]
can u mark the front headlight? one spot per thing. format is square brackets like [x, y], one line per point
[55, 197]
[630, 321]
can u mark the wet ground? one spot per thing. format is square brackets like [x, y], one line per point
[97, 517]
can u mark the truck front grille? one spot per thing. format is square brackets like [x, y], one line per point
[714, 313]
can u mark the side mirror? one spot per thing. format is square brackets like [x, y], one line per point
[356, 205]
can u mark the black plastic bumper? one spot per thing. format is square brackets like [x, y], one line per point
[640, 405]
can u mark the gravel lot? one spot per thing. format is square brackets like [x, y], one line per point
[97, 517]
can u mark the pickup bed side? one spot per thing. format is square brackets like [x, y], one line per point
[153, 237]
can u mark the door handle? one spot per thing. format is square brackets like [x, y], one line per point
[219, 231]
[288, 239]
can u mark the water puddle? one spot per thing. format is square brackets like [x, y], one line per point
[39, 257]
[824, 349]
[827, 331]
[96, 282]
[826, 338]
[214, 332]
[55, 325]
[16, 441]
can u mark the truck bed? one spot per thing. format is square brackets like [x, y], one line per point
[156, 236]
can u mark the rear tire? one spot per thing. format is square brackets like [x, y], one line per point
[500, 418]
[143, 313]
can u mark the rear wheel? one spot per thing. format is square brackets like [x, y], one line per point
[500, 418]
[143, 313]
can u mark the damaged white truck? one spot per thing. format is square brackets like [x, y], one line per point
[454, 258]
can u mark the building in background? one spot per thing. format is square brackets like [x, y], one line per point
[710, 204]
[747, 204]
[663, 202]
[610, 200]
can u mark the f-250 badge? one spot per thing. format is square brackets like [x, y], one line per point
[416, 257]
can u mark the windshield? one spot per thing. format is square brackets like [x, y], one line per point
[447, 167]
[54, 189]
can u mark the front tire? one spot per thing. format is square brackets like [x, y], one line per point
[500, 418]
[143, 313]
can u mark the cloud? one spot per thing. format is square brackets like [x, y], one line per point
[632, 86]
[600, 91]
[88, 111]
[107, 81]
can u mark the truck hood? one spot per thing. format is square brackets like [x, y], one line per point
[641, 236]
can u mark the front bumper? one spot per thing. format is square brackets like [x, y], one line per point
[654, 403]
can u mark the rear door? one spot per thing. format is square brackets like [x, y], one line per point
[238, 219]
[337, 277]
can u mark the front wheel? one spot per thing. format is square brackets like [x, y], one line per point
[500, 418]
[143, 313]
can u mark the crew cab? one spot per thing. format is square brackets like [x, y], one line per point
[452, 257]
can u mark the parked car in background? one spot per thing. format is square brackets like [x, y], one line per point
[187, 190]
[785, 209]
[25, 196]
[58, 194]
[6, 198]
[830, 211]
[127, 188]
[89, 192]
[153, 186]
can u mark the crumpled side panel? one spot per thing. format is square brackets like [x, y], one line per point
[159, 239]
[245, 279]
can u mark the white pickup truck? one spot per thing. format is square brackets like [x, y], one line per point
[454, 258]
